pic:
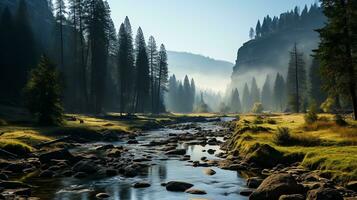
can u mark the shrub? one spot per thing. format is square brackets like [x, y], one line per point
[257, 108]
[282, 136]
[311, 116]
[340, 120]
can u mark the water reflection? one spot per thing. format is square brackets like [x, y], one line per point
[223, 185]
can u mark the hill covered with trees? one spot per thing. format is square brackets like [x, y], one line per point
[273, 38]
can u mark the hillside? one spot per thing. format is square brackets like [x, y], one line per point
[269, 52]
[207, 72]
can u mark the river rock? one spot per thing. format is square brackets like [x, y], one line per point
[246, 192]
[292, 197]
[111, 172]
[102, 196]
[47, 174]
[18, 167]
[133, 141]
[21, 192]
[324, 194]
[85, 166]
[113, 153]
[3, 176]
[276, 185]
[176, 152]
[61, 154]
[141, 185]
[209, 172]
[195, 191]
[105, 147]
[80, 175]
[351, 185]
[13, 185]
[254, 182]
[178, 186]
[211, 151]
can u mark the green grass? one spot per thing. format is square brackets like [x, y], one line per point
[326, 147]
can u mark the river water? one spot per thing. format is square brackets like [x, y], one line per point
[223, 185]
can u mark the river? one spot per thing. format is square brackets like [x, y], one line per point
[223, 185]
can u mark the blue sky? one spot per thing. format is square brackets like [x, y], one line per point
[214, 28]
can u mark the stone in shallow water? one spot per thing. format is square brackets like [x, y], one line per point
[209, 172]
[178, 186]
[141, 185]
[102, 196]
[195, 191]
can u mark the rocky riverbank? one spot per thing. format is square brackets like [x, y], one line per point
[275, 175]
[99, 161]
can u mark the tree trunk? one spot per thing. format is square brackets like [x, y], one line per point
[349, 60]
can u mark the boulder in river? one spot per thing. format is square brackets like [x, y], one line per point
[254, 182]
[276, 185]
[178, 186]
[195, 191]
[209, 172]
[292, 197]
[102, 196]
[352, 186]
[61, 154]
[141, 185]
[176, 152]
[86, 166]
[246, 192]
[324, 194]
[47, 174]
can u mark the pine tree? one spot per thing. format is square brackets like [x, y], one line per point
[172, 94]
[44, 87]
[267, 94]
[187, 95]
[162, 78]
[251, 33]
[123, 68]
[279, 93]
[131, 66]
[296, 81]
[142, 72]
[316, 93]
[235, 104]
[60, 13]
[193, 92]
[337, 49]
[153, 62]
[258, 30]
[246, 99]
[98, 37]
[255, 93]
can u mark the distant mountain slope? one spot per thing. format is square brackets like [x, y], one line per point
[269, 52]
[207, 72]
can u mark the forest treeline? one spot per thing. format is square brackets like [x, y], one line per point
[100, 69]
[292, 19]
[329, 83]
